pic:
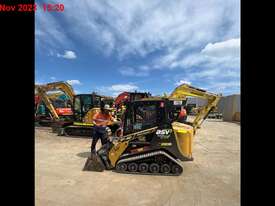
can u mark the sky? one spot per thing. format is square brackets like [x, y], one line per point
[140, 45]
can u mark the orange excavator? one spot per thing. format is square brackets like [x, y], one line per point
[52, 106]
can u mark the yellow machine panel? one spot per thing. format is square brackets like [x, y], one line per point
[184, 137]
[116, 151]
[89, 116]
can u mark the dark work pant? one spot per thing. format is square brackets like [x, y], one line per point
[98, 133]
[182, 119]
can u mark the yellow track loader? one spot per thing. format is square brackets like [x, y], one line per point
[153, 142]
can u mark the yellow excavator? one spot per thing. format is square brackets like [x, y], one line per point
[80, 114]
[56, 108]
[153, 141]
[84, 107]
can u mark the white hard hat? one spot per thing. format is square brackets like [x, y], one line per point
[107, 106]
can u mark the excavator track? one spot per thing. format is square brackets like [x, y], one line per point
[150, 163]
[75, 131]
[84, 131]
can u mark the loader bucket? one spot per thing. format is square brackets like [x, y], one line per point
[94, 163]
[184, 138]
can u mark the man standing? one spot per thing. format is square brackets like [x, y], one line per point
[101, 120]
[182, 115]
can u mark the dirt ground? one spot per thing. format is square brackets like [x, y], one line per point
[212, 179]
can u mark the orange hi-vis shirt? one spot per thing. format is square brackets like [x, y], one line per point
[182, 113]
[102, 119]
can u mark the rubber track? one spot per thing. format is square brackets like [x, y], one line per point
[138, 157]
[75, 131]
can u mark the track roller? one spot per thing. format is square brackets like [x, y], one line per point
[150, 163]
[176, 169]
[165, 168]
[154, 168]
[143, 167]
[121, 167]
[133, 167]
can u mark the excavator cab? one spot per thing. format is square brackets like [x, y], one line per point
[84, 108]
[83, 103]
[44, 116]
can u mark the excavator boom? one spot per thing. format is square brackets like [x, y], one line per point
[184, 90]
[63, 86]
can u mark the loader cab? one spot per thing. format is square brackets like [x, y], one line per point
[134, 96]
[144, 114]
[175, 108]
[83, 103]
[126, 97]
[58, 103]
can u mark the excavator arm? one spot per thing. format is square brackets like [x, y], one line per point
[43, 89]
[63, 86]
[46, 100]
[184, 90]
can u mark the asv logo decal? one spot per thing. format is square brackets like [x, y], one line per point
[163, 133]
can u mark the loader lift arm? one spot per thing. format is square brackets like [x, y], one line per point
[43, 89]
[121, 144]
[184, 90]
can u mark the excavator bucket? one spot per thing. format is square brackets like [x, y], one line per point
[94, 163]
